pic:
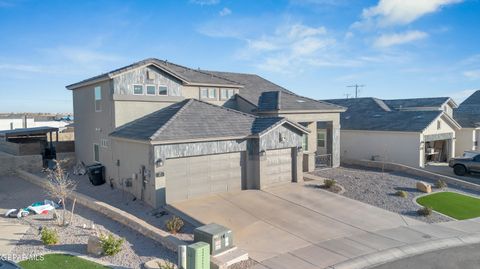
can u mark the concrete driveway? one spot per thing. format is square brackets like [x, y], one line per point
[288, 222]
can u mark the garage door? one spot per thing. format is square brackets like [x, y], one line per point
[279, 167]
[192, 177]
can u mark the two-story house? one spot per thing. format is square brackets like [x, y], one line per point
[406, 131]
[166, 132]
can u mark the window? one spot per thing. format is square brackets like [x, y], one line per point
[98, 98]
[305, 142]
[321, 138]
[212, 93]
[208, 93]
[439, 125]
[96, 152]
[104, 143]
[137, 89]
[162, 90]
[151, 89]
[204, 93]
[226, 94]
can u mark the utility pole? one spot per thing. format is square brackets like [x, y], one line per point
[356, 86]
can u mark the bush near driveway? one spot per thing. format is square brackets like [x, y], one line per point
[455, 205]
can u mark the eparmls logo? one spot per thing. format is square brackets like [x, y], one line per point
[21, 257]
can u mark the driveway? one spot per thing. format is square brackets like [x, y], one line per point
[444, 169]
[287, 224]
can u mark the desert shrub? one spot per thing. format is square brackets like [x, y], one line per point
[440, 184]
[49, 236]
[425, 211]
[166, 265]
[174, 225]
[110, 244]
[402, 194]
[330, 183]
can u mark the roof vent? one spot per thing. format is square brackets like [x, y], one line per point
[418, 117]
[347, 117]
[377, 116]
[300, 101]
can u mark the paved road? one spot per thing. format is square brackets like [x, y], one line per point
[465, 257]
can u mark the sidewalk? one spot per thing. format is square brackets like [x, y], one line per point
[10, 234]
[379, 247]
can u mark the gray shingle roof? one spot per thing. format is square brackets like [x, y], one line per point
[186, 74]
[416, 102]
[193, 119]
[370, 114]
[468, 113]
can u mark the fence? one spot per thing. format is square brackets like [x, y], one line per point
[323, 160]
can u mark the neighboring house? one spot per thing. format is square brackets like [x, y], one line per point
[15, 121]
[468, 116]
[407, 131]
[136, 94]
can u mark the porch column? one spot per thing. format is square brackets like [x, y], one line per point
[335, 146]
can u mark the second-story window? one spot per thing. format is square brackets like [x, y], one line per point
[204, 93]
[137, 89]
[151, 89]
[98, 98]
[212, 93]
[162, 90]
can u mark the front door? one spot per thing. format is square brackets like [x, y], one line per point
[321, 141]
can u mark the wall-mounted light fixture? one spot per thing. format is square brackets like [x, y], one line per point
[299, 149]
[159, 163]
[263, 153]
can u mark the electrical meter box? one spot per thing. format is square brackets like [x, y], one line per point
[219, 238]
[198, 256]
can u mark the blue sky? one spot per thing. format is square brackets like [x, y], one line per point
[397, 48]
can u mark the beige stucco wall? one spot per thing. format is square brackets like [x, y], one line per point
[132, 156]
[127, 111]
[398, 147]
[91, 126]
[445, 127]
[465, 140]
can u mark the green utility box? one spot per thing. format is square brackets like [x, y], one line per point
[198, 256]
[219, 237]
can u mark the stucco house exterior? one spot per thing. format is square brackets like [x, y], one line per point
[406, 131]
[155, 124]
[468, 116]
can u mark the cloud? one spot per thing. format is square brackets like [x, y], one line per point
[472, 74]
[225, 12]
[205, 2]
[400, 12]
[388, 40]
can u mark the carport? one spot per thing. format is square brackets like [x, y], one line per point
[30, 141]
[195, 149]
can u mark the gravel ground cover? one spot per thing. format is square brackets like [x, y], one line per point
[128, 203]
[137, 249]
[378, 188]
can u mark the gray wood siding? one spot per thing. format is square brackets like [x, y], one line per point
[271, 140]
[123, 84]
[201, 148]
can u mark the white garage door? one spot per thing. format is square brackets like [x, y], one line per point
[192, 177]
[279, 167]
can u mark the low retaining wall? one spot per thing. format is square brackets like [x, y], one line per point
[10, 163]
[411, 171]
[139, 225]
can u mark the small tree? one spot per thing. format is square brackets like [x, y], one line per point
[60, 186]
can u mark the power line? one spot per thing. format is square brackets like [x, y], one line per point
[356, 86]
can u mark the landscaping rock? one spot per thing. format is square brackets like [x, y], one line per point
[94, 245]
[424, 187]
[154, 264]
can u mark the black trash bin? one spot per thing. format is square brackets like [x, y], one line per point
[96, 174]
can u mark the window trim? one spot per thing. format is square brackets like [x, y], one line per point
[166, 87]
[223, 90]
[95, 100]
[439, 125]
[230, 91]
[202, 90]
[98, 146]
[324, 139]
[133, 89]
[154, 91]
[214, 91]
[305, 142]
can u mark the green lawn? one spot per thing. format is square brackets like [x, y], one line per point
[60, 261]
[455, 205]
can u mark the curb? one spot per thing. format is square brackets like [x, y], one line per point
[405, 251]
[165, 239]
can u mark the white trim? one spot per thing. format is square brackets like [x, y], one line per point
[161, 85]
[154, 90]
[133, 89]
